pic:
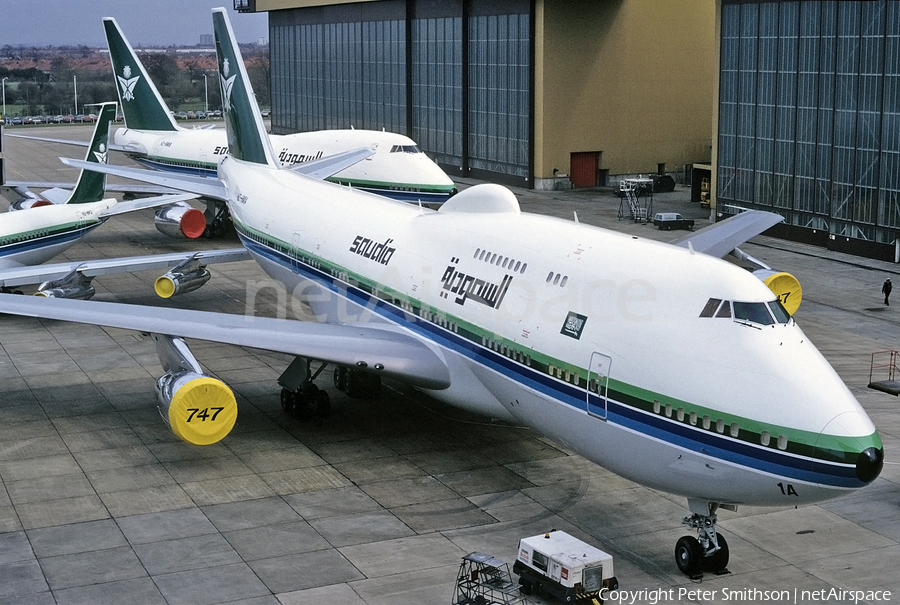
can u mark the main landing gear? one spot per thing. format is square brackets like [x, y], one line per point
[302, 399]
[709, 550]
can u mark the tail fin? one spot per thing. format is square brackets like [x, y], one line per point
[247, 137]
[142, 105]
[91, 186]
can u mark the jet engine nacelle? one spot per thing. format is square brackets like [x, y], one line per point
[77, 292]
[180, 220]
[74, 286]
[29, 202]
[198, 408]
[179, 281]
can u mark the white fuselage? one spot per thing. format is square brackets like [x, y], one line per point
[591, 337]
[35, 235]
[397, 169]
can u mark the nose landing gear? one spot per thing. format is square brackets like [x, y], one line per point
[709, 550]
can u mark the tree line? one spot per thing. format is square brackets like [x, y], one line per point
[32, 91]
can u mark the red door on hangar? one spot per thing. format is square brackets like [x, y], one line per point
[584, 169]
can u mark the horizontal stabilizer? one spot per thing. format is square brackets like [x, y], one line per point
[375, 348]
[723, 237]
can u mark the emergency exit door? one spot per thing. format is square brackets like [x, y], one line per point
[598, 384]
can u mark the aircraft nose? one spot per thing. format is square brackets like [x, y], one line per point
[864, 452]
[869, 464]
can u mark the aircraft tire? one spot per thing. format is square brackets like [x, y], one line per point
[688, 555]
[718, 561]
[323, 404]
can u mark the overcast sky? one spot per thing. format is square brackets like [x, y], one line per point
[144, 22]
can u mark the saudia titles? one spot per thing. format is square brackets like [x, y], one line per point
[469, 287]
[367, 248]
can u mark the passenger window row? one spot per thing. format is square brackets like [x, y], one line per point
[564, 374]
[720, 426]
[500, 260]
[506, 351]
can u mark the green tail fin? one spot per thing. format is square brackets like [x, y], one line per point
[247, 137]
[142, 105]
[91, 186]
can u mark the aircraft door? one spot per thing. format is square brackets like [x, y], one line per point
[295, 252]
[598, 383]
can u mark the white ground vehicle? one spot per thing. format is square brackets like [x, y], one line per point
[563, 566]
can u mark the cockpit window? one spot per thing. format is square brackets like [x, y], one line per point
[780, 313]
[710, 309]
[724, 310]
[754, 312]
[405, 149]
[764, 314]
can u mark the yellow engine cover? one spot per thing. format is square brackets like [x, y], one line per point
[164, 287]
[787, 288]
[203, 411]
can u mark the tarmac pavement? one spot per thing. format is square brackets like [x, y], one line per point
[101, 503]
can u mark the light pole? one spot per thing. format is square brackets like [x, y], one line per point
[75, 87]
[4, 97]
[205, 94]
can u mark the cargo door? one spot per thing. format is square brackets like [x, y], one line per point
[598, 383]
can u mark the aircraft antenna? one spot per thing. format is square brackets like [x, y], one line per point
[575, 212]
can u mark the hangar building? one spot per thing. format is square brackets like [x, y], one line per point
[536, 93]
[809, 119]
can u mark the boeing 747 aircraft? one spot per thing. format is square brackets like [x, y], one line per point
[668, 366]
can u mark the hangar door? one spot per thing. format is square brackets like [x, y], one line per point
[584, 169]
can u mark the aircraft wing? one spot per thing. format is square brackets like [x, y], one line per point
[208, 187]
[22, 187]
[36, 274]
[721, 238]
[110, 146]
[381, 348]
[323, 168]
[147, 202]
[213, 188]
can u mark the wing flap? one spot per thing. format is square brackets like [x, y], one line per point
[377, 348]
[721, 238]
